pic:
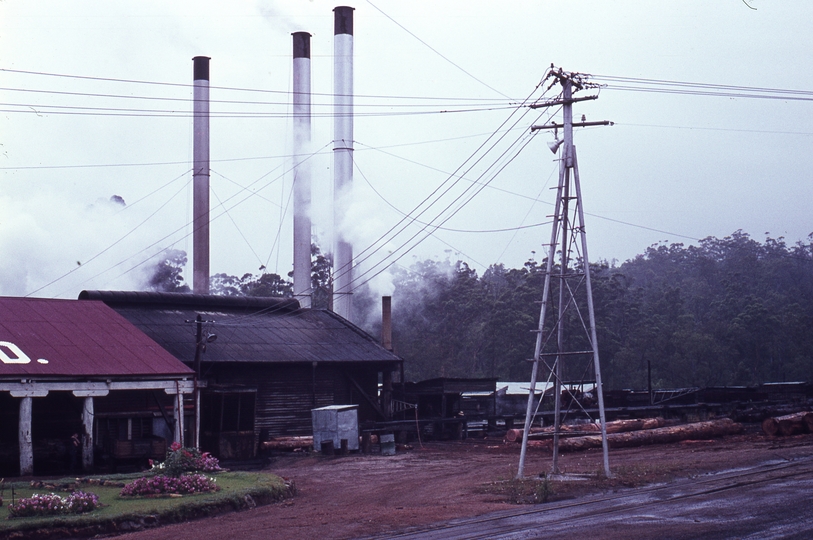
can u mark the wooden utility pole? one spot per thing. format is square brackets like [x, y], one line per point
[200, 347]
[567, 233]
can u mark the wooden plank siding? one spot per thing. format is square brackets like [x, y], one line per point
[285, 394]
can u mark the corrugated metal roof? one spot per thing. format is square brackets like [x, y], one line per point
[53, 338]
[248, 329]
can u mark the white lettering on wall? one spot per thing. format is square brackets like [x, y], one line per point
[19, 357]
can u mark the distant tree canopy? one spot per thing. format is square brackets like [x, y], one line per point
[727, 311]
[167, 272]
[167, 276]
[266, 284]
[321, 279]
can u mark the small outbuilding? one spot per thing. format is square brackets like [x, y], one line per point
[448, 397]
[338, 424]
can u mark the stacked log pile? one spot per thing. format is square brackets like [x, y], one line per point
[642, 436]
[789, 424]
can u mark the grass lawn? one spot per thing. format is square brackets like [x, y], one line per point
[238, 490]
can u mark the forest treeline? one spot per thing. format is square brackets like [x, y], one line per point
[730, 311]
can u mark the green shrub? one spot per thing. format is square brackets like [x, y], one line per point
[182, 460]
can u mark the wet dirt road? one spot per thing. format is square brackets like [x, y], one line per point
[771, 500]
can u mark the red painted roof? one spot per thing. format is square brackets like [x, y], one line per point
[55, 338]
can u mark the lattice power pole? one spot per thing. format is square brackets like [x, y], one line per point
[556, 342]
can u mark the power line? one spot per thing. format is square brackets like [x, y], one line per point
[243, 188]
[447, 173]
[177, 230]
[449, 229]
[239, 231]
[662, 82]
[433, 227]
[641, 226]
[131, 231]
[528, 213]
[355, 164]
[710, 93]
[255, 90]
[223, 205]
[402, 27]
[528, 138]
[283, 213]
[704, 128]
[159, 163]
[153, 192]
[404, 222]
[436, 194]
[66, 110]
[446, 209]
[522, 195]
[254, 158]
[468, 102]
[659, 86]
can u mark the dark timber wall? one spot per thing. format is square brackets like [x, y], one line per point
[285, 394]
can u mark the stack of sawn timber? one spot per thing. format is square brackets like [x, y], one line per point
[790, 424]
[653, 433]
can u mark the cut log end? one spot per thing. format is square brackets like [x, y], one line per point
[789, 424]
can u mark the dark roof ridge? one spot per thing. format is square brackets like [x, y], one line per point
[358, 330]
[198, 301]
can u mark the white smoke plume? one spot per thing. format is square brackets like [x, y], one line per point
[40, 259]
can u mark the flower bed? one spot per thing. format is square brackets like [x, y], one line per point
[51, 504]
[151, 486]
[181, 460]
[237, 491]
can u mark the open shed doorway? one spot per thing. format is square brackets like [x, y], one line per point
[54, 418]
[227, 423]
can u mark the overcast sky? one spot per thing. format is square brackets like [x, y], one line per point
[82, 121]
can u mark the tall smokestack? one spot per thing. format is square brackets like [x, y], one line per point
[302, 174]
[342, 155]
[386, 322]
[200, 177]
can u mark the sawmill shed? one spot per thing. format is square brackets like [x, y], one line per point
[69, 367]
[270, 363]
[447, 397]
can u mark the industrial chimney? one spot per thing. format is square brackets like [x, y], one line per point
[342, 156]
[386, 322]
[200, 176]
[302, 174]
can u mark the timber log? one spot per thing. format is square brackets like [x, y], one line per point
[287, 443]
[789, 424]
[699, 430]
[616, 426]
